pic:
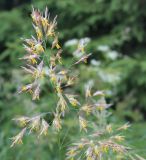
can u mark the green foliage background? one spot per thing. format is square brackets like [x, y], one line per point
[114, 26]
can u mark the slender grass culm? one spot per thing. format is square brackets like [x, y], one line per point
[103, 141]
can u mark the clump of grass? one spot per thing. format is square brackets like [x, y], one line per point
[101, 140]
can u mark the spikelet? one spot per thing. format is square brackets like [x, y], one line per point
[83, 123]
[44, 128]
[34, 123]
[62, 104]
[87, 109]
[57, 122]
[18, 138]
[74, 102]
[22, 121]
[124, 127]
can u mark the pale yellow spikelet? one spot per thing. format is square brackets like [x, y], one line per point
[58, 88]
[62, 104]
[87, 109]
[44, 128]
[104, 148]
[22, 121]
[109, 128]
[83, 123]
[55, 43]
[119, 138]
[88, 92]
[18, 138]
[39, 33]
[96, 150]
[70, 81]
[124, 127]
[39, 48]
[45, 22]
[57, 122]
[35, 123]
[74, 102]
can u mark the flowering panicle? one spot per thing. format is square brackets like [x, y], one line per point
[38, 58]
[101, 139]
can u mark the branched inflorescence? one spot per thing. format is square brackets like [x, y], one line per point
[101, 140]
[41, 64]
